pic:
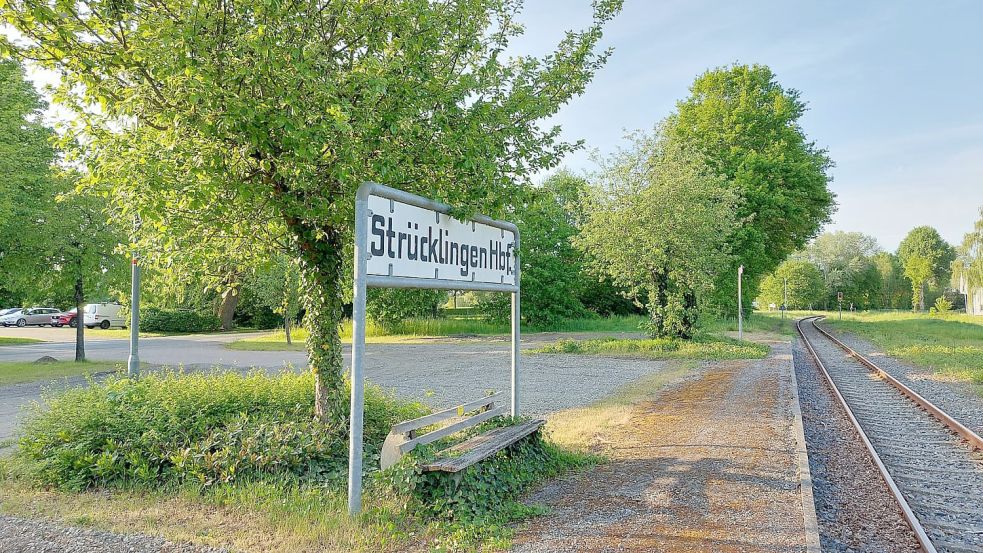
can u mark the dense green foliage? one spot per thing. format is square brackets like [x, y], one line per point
[178, 320]
[926, 258]
[967, 269]
[895, 293]
[747, 126]
[805, 286]
[388, 307]
[656, 223]
[194, 428]
[251, 125]
[845, 261]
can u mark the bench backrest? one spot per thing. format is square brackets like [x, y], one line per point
[405, 436]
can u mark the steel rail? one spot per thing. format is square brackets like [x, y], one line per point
[909, 515]
[965, 433]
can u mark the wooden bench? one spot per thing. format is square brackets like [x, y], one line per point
[405, 436]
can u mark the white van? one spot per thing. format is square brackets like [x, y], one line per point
[103, 315]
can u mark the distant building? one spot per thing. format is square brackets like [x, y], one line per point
[974, 296]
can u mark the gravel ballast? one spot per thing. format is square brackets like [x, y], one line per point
[959, 399]
[855, 510]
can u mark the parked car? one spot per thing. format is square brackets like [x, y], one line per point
[9, 316]
[67, 318]
[37, 316]
[103, 315]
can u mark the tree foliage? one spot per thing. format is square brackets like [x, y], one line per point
[656, 223]
[252, 124]
[926, 258]
[967, 269]
[806, 288]
[747, 125]
[845, 261]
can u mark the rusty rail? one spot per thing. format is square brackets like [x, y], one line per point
[909, 515]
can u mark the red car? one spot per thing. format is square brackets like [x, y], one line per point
[67, 318]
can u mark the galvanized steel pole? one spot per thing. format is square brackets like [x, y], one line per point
[740, 307]
[358, 355]
[133, 362]
[784, 299]
[516, 317]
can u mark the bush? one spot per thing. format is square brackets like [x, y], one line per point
[179, 320]
[195, 428]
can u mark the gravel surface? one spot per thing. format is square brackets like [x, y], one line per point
[19, 535]
[856, 512]
[959, 399]
[706, 465]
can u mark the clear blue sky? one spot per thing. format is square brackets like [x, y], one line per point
[895, 91]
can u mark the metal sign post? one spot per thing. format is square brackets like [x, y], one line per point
[839, 300]
[406, 241]
[784, 299]
[740, 308]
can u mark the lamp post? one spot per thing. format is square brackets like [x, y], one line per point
[133, 361]
[740, 307]
[784, 298]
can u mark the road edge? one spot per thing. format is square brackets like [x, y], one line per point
[810, 520]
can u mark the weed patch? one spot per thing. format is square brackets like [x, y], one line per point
[701, 347]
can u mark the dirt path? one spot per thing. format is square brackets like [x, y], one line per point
[707, 466]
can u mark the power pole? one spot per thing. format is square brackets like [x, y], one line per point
[740, 307]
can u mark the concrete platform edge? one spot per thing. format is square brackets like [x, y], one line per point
[810, 521]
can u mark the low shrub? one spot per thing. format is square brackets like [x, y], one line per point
[201, 429]
[178, 320]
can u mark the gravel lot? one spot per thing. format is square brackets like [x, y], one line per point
[18, 535]
[855, 510]
[959, 399]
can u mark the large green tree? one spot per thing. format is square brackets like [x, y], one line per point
[967, 269]
[802, 281]
[895, 293]
[747, 126]
[26, 178]
[926, 258]
[258, 120]
[656, 223]
[845, 261]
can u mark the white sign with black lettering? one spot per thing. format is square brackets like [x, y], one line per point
[413, 242]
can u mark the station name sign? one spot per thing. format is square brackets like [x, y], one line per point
[413, 242]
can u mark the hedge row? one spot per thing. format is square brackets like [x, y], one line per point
[179, 320]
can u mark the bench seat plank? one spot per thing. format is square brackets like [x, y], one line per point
[452, 428]
[433, 418]
[481, 447]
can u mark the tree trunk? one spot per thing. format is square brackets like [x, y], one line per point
[321, 262]
[79, 319]
[286, 328]
[227, 309]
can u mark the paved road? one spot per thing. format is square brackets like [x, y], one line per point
[440, 373]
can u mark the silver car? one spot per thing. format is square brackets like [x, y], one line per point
[38, 316]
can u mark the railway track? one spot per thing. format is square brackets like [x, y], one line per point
[932, 464]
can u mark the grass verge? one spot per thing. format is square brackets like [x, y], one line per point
[16, 372]
[951, 345]
[701, 347]
[16, 341]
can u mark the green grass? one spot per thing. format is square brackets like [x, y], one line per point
[701, 347]
[758, 321]
[951, 345]
[12, 341]
[15, 372]
[417, 328]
